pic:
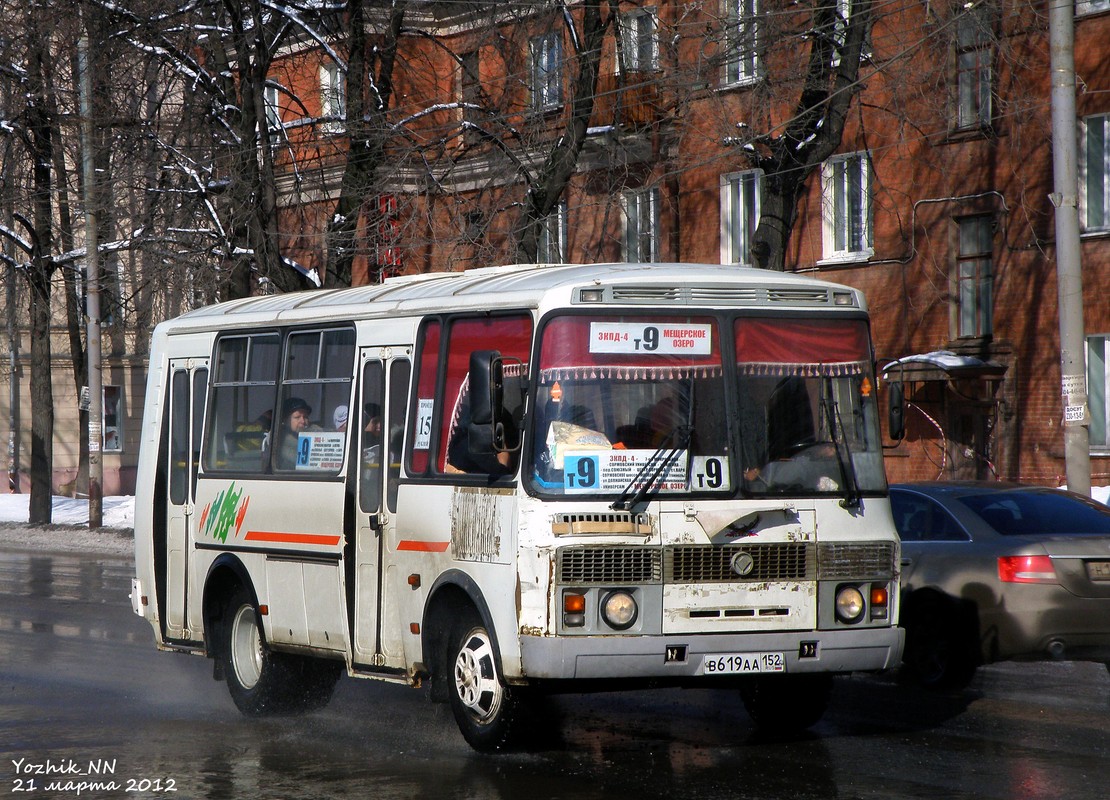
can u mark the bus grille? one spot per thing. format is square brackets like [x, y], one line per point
[610, 565]
[782, 561]
[708, 564]
[856, 559]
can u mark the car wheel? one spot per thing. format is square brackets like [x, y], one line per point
[939, 651]
[786, 704]
[485, 709]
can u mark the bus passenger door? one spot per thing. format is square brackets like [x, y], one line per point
[379, 424]
[188, 387]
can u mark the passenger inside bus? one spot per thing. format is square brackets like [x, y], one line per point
[295, 417]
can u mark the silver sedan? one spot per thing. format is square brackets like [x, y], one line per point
[994, 571]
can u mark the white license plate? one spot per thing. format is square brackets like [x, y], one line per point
[742, 663]
[1099, 570]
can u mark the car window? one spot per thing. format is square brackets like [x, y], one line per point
[920, 519]
[1019, 513]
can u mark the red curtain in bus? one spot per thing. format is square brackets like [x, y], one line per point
[818, 347]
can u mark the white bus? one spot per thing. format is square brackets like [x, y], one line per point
[522, 479]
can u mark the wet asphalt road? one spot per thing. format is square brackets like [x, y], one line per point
[81, 684]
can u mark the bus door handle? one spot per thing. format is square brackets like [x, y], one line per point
[378, 520]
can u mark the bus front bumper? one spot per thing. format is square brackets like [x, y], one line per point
[689, 656]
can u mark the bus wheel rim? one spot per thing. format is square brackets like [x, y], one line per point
[246, 647]
[476, 681]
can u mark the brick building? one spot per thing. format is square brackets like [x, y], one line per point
[936, 202]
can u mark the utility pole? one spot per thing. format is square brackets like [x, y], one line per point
[1069, 276]
[92, 290]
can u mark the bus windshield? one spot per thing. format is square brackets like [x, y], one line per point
[632, 406]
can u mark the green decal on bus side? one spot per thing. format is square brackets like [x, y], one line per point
[223, 513]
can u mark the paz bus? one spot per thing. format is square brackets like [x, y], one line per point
[517, 480]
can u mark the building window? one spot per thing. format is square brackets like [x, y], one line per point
[739, 215]
[639, 45]
[547, 72]
[641, 223]
[1098, 390]
[551, 247]
[112, 408]
[974, 53]
[333, 96]
[273, 109]
[1083, 7]
[1094, 169]
[846, 190]
[742, 41]
[974, 295]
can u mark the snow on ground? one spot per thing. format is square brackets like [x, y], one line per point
[69, 530]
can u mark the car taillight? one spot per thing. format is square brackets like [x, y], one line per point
[1026, 569]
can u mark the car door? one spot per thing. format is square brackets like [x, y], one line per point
[933, 542]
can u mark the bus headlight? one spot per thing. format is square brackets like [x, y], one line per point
[618, 609]
[850, 604]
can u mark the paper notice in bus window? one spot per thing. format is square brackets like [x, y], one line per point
[641, 338]
[321, 450]
[424, 408]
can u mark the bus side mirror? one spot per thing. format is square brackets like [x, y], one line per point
[486, 386]
[896, 412]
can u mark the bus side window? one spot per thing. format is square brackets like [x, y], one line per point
[244, 379]
[458, 451]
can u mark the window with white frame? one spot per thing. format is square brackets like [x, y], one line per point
[1083, 7]
[273, 109]
[846, 202]
[641, 223]
[974, 276]
[551, 247]
[974, 54]
[1094, 173]
[333, 96]
[1098, 390]
[845, 10]
[739, 215]
[742, 41]
[639, 43]
[547, 72]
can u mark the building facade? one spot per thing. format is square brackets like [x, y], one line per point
[934, 201]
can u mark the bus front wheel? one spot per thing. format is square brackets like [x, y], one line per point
[259, 680]
[485, 709]
[786, 704]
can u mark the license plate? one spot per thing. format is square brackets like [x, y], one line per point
[742, 663]
[1099, 570]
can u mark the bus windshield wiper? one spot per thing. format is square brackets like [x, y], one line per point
[651, 474]
[843, 454]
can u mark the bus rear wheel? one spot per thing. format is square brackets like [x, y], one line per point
[262, 682]
[485, 709]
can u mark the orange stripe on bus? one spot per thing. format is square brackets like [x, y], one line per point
[422, 547]
[292, 538]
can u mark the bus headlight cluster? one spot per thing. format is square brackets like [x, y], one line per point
[856, 601]
[618, 609]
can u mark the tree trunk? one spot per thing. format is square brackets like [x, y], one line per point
[42, 392]
[549, 185]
